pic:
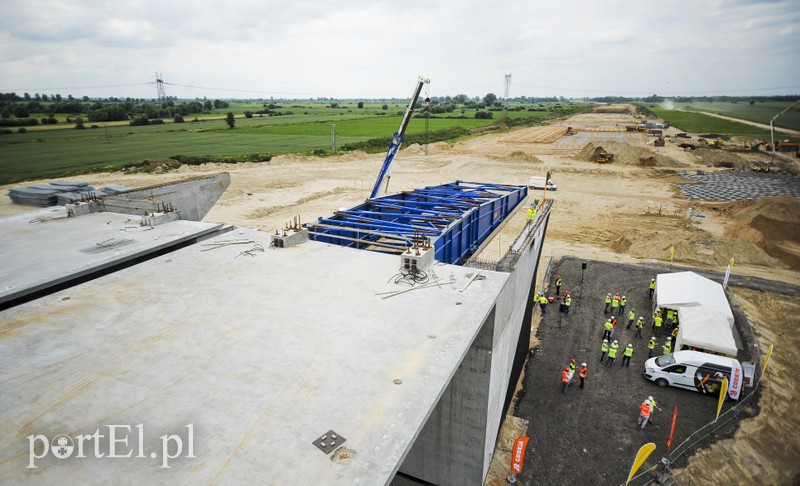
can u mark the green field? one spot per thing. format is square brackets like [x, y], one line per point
[760, 111]
[47, 152]
[700, 123]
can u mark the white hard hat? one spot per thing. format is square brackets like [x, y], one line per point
[583, 364]
[650, 398]
[623, 296]
[630, 345]
[615, 341]
[669, 339]
[605, 340]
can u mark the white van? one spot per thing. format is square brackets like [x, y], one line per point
[693, 370]
[538, 182]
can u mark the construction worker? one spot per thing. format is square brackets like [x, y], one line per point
[650, 346]
[653, 407]
[674, 333]
[603, 350]
[639, 326]
[532, 212]
[608, 303]
[623, 301]
[608, 329]
[567, 301]
[657, 320]
[652, 287]
[571, 365]
[543, 304]
[565, 379]
[644, 414]
[612, 353]
[582, 373]
[615, 304]
[613, 326]
[626, 355]
[558, 284]
[667, 347]
[631, 318]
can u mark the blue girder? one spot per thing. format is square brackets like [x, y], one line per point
[455, 217]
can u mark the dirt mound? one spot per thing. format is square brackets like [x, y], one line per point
[627, 155]
[520, 156]
[721, 158]
[772, 224]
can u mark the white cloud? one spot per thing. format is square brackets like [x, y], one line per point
[376, 49]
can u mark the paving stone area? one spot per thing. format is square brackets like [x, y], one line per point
[739, 185]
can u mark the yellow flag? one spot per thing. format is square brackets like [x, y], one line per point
[766, 358]
[641, 456]
[731, 262]
[723, 392]
[671, 252]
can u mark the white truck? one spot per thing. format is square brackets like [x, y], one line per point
[538, 182]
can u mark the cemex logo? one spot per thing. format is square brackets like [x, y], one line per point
[113, 444]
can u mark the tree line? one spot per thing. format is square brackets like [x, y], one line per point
[17, 111]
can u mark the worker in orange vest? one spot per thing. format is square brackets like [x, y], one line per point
[644, 413]
[582, 373]
[566, 379]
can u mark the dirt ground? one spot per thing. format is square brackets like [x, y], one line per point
[626, 211]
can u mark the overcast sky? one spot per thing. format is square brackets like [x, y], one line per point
[376, 48]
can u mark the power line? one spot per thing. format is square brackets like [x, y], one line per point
[65, 88]
[695, 93]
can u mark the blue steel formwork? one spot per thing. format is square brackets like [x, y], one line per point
[455, 218]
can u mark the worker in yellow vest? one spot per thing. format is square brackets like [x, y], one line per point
[650, 347]
[623, 301]
[608, 303]
[603, 350]
[567, 301]
[631, 318]
[558, 285]
[626, 355]
[667, 347]
[612, 353]
[532, 212]
[652, 287]
[639, 326]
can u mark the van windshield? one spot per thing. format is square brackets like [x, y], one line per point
[666, 360]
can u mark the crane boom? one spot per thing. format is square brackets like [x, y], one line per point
[382, 183]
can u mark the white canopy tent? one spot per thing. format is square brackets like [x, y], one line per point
[688, 289]
[706, 329]
[705, 317]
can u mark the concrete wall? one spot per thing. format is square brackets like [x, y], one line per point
[449, 448]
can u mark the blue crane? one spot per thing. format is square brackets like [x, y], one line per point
[382, 183]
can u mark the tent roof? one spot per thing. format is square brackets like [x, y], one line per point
[705, 328]
[687, 289]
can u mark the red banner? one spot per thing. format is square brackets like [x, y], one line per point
[672, 428]
[518, 454]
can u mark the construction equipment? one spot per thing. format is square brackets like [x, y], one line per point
[760, 166]
[604, 158]
[716, 143]
[641, 128]
[772, 127]
[382, 183]
[631, 128]
[659, 142]
[570, 131]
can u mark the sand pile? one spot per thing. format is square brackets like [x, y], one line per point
[721, 158]
[772, 223]
[627, 155]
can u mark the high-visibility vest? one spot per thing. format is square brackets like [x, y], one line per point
[604, 347]
[640, 323]
[645, 409]
[582, 372]
[608, 299]
[568, 302]
[631, 315]
[670, 314]
[651, 344]
[628, 352]
[543, 300]
[675, 332]
[558, 282]
[652, 284]
[571, 367]
[623, 302]
[615, 302]
[609, 326]
[667, 348]
[612, 352]
[565, 376]
[531, 214]
[658, 321]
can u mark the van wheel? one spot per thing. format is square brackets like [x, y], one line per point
[661, 382]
